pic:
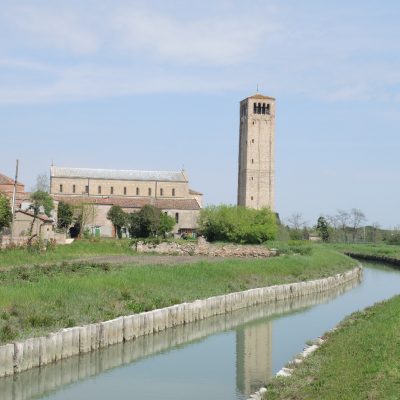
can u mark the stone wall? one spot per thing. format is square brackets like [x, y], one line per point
[40, 351]
[204, 248]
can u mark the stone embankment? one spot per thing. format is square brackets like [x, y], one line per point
[204, 248]
[40, 351]
[381, 258]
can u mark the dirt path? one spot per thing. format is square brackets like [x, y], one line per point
[147, 259]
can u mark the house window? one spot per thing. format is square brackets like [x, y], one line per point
[176, 217]
[137, 191]
[73, 188]
[61, 188]
[99, 190]
[149, 191]
[112, 190]
[161, 192]
[124, 189]
[173, 192]
[87, 189]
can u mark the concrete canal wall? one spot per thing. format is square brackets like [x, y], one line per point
[37, 352]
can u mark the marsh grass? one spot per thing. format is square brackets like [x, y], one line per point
[374, 249]
[78, 249]
[360, 360]
[36, 300]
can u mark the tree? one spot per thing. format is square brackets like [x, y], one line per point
[323, 229]
[237, 224]
[42, 183]
[85, 214]
[296, 225]
[343, 219]
[65, 215]
[118, 218]
[41, 202]
[149, 221]
[357, 217]
[5, 212]
[167, 223]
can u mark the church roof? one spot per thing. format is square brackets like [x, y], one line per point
[261, 97]
[5, 180]
[163, 204]
[118, 174]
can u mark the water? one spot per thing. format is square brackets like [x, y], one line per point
[224, 357]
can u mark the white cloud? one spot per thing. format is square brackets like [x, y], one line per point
[214, 41]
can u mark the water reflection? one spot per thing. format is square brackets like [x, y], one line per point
[253, 328]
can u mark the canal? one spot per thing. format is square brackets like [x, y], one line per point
[224, 357]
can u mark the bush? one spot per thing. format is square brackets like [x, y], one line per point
[237, 224]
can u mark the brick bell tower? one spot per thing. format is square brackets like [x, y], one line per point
[256, 177]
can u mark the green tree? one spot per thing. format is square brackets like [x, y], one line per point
[41, 201]
[65, 215]
[5, 212]
[149, 221]
[167, 223]
[323, 229]
[118, 218]
[237, 224]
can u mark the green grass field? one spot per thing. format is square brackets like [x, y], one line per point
[385, 250]
[36, 300]
[78, 249]
[361, 360]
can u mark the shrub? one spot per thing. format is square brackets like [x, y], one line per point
[237, 224]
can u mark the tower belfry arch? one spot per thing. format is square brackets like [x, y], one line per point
[256, 174]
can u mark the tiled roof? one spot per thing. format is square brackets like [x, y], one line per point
[42, 217]
[131, 175]
[261, 96]
[5, 180]
[126, 202]
[195, 192]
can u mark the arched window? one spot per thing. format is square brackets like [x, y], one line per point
[73, 188]
[98, 189]
[149, 191]
[176, 217]
[137, 191]
[259, 108]
[125, 190]
[254, 108]
[268, 109]
[61, 188]
[173, 192]
[161, 192]
[112, 190]
[263, 109]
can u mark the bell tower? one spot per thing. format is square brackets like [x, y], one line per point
[256, 175]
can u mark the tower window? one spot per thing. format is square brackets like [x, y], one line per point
[112, 190]
[251, 197]
[99, 189]
[176, 217]
[268, 109]
[259, 108]
[149, 191]
[124, 189]
[252, 161]
[61, 188]
[137, 191]
[252, 140]
[73, 188]
[263, 109]
[173, 192]
[161, 192]
[255, 108]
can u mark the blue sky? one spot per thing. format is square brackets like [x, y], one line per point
[156, 85]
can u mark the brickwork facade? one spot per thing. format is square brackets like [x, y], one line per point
[256, 173]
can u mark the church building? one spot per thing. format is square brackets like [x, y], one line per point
[129, 189]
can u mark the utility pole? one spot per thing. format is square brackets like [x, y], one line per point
[13, 201]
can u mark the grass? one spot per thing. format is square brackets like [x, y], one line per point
[78, 249]
[39, 299]
[374, 249]
[361, 360]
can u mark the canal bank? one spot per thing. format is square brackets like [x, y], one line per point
[36, 352]
[357, 359]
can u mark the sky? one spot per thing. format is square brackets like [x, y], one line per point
[156, 85]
